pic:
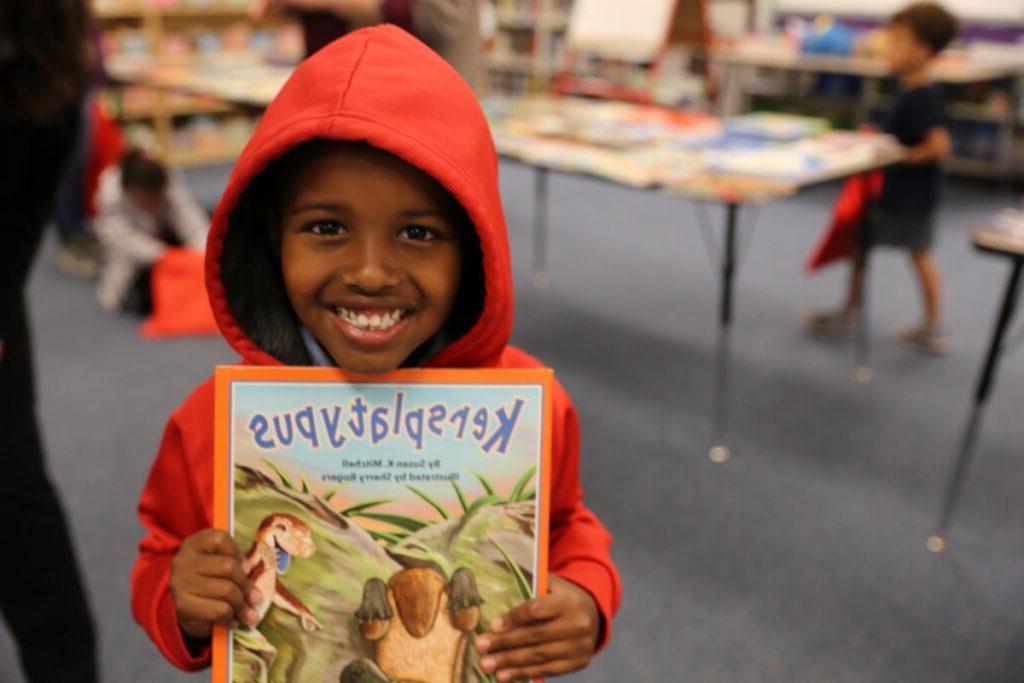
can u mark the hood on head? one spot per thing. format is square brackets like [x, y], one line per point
[383, 87]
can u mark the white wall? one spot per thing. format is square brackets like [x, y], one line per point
[728, 18]
[633, 30]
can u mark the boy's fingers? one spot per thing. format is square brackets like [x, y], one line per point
[539, 609]
[198, 608]
[553, 668]
[525, 636]
[528, 656]
[216, 542]
[223, 590]
[220, 566]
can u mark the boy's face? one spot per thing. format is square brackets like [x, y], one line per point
[370, 255]
[150, 201]
[905, 51]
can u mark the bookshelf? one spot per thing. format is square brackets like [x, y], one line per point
[525, 53]
[530, 53]
[183, 129]
[982, 86]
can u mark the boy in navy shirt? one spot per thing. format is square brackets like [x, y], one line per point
[904, 214]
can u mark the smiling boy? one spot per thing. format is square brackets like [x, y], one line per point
[362, 228]
[368, 303]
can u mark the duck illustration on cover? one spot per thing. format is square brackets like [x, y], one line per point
[429, 640]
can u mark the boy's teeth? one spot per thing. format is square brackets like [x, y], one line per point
[375, 321]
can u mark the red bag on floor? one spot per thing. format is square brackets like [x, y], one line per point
[180, 304]
[839, 240]
[105, 148]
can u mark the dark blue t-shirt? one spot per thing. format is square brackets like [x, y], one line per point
[910, 189]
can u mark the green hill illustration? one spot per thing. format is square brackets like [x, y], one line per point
[311, 631]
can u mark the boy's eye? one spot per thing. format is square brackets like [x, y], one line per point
[418, 233]
[326, 228]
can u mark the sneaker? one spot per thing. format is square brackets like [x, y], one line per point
[840, 324]
[928, 339]
[79, 257]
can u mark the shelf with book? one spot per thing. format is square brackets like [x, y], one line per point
[117, 8]
[981, 119]
[981, 83]
[519, 63]
[640, 52]
[137, 35]
[135, 113]
[189, 158]
[527, 46]
[554, 20]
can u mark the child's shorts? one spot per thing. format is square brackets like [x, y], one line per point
[883, 228]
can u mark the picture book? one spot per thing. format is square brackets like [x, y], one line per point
[779, 127]
[385, 521]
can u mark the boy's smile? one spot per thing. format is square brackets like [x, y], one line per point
[370, 326]
[370, 254]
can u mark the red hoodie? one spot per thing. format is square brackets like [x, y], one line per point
[384, 87]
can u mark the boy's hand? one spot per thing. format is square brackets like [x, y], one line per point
[549, 636]
[936, 146]
[208, 585]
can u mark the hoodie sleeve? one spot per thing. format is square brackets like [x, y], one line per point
[170, 510]
[580, 547]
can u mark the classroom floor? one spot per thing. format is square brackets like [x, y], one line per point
[801, 559]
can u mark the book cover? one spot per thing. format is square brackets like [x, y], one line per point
[386, 521]
[775, 126]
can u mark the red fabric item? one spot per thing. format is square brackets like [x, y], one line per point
[180, 304]
[105, 150]
[839, 240]
[382, 86]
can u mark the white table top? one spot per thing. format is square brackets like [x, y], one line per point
[1001, 234]
[959, 69]
[652, 150]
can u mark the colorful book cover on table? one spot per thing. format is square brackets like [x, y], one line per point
[385, 521]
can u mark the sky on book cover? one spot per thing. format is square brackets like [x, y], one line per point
[326, 434]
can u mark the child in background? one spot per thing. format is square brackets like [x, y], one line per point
[143, 209]
[904, 214]
[362, 228]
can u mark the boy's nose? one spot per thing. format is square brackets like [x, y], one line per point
[371, 269]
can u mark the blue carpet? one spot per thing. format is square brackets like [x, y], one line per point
[802, 559]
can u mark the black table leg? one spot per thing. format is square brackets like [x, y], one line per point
[937, 542]
[719, 448]
[541, 278]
